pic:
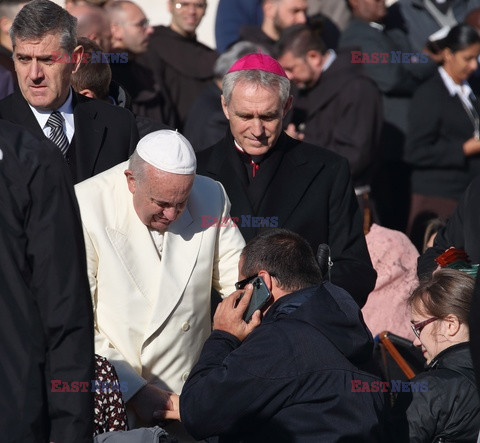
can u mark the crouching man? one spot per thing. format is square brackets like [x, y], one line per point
[290, 376]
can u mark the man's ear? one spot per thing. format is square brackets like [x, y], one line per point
[87, 93]
[269, 8]
[225, 108]
[132, 184]
[315, 58]
[77, 58]
[267, 278]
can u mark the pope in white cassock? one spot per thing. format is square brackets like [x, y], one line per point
[151, 266]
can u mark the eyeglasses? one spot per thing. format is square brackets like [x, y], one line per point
[242, 283]
[185, 5]
[417, 327]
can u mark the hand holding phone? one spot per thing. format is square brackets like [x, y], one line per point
[235, 313]
[260, 297]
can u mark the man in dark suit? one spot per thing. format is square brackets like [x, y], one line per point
[273, 180]
[46, 320]
[92, 135]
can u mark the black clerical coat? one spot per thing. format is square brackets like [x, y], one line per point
[105, 135]
[46, 323]
[300, 187]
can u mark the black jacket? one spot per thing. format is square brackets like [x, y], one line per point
[46, 317]
[105, 135]
[449, 409]
[291, 379]
[300, 187]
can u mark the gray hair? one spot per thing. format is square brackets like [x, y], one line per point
[265, 79]
[236, 51]
[41, 17]
[138, 166]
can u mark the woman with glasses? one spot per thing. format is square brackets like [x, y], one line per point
[446, 406]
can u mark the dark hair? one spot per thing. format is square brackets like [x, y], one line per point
[285, 255]
[41, 17]
[447, 291]
[458, 38]
[93, 76]
[299, 39]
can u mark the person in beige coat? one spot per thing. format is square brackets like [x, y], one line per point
[154, 251]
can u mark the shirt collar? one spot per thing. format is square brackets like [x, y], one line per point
[377, 26]
[66, 110]
[452, 87]
[332, 55]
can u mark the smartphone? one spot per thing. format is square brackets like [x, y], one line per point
[260, 297]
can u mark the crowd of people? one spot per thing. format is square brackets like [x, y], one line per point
[325, 152]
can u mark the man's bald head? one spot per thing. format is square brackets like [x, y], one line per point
[130, 27]
[92, 23]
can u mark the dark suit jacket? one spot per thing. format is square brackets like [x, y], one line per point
[105, 135]
[46, 319]
[306, 189]
[438, 128]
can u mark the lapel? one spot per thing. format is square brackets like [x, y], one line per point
[161, 282]
[133, 244]
[294, 175]
[225, 166]
[89, 135]
[180, 252]
[21, 114]
[268, 168]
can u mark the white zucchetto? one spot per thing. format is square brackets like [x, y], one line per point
[168, 151]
